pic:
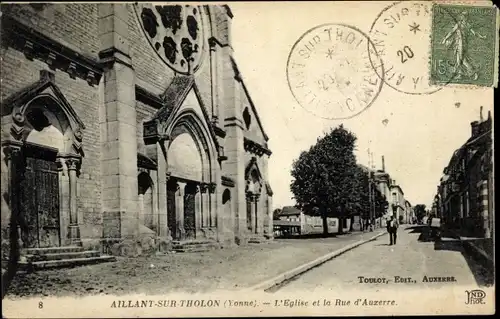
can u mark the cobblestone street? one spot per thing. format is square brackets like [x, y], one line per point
[405, 265]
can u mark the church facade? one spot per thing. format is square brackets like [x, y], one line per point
[128, 126]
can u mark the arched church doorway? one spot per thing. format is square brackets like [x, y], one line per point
[191, 197]
[40, 190]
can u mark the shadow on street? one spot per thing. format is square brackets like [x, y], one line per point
[481, 267]
[448, 244]
[306, 236]
[417, 229]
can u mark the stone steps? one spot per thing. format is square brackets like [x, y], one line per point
[258, 240]
[73, 262]
[52, 250]
[57, 257]
[60, 256]
[194, 246]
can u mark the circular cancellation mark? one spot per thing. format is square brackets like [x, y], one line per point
[401, 34]
[331, 74]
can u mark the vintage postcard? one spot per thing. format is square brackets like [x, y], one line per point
[206, 159]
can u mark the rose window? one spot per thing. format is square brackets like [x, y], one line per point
[175, 33]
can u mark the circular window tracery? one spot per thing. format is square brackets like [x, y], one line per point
[175, 32]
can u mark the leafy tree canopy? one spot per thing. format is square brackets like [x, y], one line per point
[420, 211]
[325, 178]
[276, 213]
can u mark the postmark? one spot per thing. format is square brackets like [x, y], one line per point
[464, 40]
[330, 74]
[401, 36]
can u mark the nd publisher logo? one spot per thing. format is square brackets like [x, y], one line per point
[475, 297]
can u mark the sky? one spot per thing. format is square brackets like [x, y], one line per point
[421, 132]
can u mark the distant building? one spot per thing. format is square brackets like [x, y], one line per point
[293, 220]
[393, 193]
[397, 201]
[409, 213]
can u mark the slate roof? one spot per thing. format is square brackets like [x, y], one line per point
[174, 95]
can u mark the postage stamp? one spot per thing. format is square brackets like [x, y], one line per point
[400, 34]
[330, 74]
[464, 40]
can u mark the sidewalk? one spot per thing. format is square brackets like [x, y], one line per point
[481, 248]
[228, 269]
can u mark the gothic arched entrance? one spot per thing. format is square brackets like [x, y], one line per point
[44, 155]
[190, 192]
[253, 192]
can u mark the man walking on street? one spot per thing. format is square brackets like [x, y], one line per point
[392, 229]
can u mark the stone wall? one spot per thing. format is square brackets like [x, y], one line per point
[17, 73]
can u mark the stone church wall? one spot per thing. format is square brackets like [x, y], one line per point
[58, 23]
[85, 29]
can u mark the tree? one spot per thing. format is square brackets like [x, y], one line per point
[324, 177]
[363, 195]
[381, 204]
[276, 213]
[420, 211]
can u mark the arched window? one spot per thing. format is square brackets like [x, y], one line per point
[226, 196]
[247, 118]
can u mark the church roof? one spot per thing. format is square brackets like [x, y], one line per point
[174, 95]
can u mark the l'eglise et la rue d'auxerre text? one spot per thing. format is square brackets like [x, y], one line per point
[292, 303]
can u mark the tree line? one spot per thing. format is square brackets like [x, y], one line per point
[328, 182]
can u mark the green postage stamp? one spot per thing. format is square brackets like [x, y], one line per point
[464, 45]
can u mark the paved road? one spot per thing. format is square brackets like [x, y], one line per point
[412, 259]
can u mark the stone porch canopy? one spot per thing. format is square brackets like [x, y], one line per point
[156, 128]
[14, 111]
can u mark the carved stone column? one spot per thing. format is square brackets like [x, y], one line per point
[161, 189]
[257, 228]
[154, 195]
[14, 160]
[205, 221]
[197, 207]
[213, 204]
[251, 198]
[74, 228]
[64, 195]
[179, 207]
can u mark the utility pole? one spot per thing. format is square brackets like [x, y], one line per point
[373, 187]
[370, 193]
